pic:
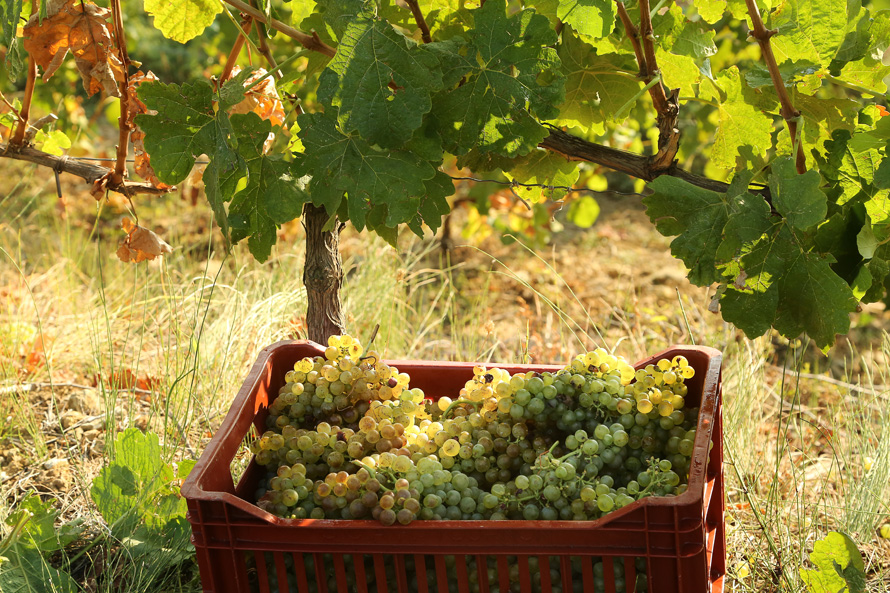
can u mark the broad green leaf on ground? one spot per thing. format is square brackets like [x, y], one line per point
[137, 487]
[797, 197]
[546, 168]
[184, 19]
[370, 56]
[802, 75]
[24, 570]
[809, 30]
[10, 11]
[740, 122]
[40, 532]
[512, 80]
[272, 196]
[698, 218]
[779, 283]
[594, 18]
[839, 566]
[347, 167]
[597, 86]
[186, 126]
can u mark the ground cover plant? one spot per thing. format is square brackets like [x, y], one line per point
[765, 157]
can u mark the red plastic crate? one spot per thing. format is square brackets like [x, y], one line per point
[679, 541]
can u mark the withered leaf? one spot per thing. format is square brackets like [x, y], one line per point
[140, 243]
[81, 28]
[262, 99]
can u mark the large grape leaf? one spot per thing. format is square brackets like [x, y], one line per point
[595, 18]
[783, 285]
[677, 34]
[272, 195]
[596, 86]
[392, 181]
[371, 56]
[186, 126]
[819, 118]
[710, 11]
[703, 221]
[740, 121]
[184, 19]
[809, 30]
[851, 170]
[515, 76]
[678, 72]
[797, 197]
[869, 73]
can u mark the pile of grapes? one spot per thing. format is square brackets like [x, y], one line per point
[348, 438]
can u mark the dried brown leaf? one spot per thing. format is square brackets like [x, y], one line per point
[140, 244]
[82, 29]
[262, 99]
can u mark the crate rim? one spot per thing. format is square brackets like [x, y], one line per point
[200, 485]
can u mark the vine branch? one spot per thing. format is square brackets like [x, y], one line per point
[18, 137]
[120, 166]
[788, 112]
[421, 22]
[635, 165]
[667, 107]
[87, 172]
[311, 42]
[236, 49]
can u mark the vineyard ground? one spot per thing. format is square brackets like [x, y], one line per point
[89, 345]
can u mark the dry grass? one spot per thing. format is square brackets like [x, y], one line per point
[163, 345]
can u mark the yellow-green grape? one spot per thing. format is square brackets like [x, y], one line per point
[296, 388]
[367, 423]
[331, 353]
[665, 409]
[450, 448]
[303, 366]
[443, 403]
[669, 377]
[655, 396]
[663, 364]
[645, 406]
[687, 372]
[402, 464]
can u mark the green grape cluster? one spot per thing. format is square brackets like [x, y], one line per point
[574, 444]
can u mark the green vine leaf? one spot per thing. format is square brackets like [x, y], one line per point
[367, 177]
[740, 122]
[183, 20]
[594, 18]
[272, 194]
[10, 11]
[514, 76]
[710, 227]
[797, 197]
[370, 57]
[186, 126]
[780, 283]
[596, 86]
[812, 31]
[839, 566]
